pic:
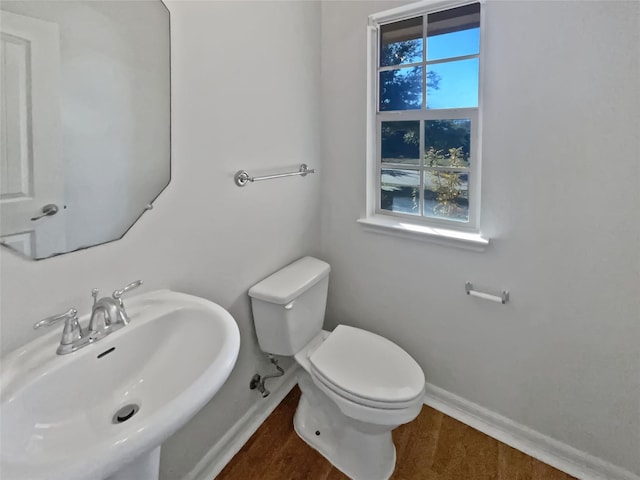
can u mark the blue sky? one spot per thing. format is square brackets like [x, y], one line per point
[458, 80]
[458, 85]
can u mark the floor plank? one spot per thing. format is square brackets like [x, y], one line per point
[432, 447]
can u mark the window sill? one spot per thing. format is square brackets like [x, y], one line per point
[440, 236]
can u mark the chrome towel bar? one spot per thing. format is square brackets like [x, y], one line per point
[503, 298]
[242, 177]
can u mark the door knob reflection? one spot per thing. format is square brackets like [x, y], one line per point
[48, 210]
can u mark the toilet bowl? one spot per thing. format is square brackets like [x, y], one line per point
[352, 427]
[356, 386]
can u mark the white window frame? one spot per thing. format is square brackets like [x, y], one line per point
[448, 232]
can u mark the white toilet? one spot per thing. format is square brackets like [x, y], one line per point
[356, 386]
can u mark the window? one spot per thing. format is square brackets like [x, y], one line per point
[424, 122]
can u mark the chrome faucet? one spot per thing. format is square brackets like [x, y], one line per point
[107, 315]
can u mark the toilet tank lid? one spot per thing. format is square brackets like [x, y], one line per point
[291, 281]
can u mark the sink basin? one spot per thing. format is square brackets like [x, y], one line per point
[89, 414]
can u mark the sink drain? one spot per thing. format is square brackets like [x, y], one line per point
[125, 413]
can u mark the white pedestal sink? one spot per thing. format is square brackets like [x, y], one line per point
[103, 412]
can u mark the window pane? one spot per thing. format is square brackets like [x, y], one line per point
[447, 143]
[399, 191]
[401, 142]
[446, 195]
[401, 42]
[454, 32]
[401, 89]
[454, 84]
[454, 44]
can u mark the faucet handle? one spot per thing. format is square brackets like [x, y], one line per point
[72, 331]
[70, 314]
[117, 294]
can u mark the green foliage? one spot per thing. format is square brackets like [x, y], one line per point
[400, 141]
[445, 134]
[447, 185]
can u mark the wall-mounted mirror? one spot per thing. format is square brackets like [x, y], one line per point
[84, 120]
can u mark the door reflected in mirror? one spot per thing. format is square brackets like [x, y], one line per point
[85, 120]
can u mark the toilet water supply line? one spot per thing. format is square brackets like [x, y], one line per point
[257, 382]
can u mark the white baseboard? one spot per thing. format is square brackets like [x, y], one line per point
[232, 441]
[546, 449]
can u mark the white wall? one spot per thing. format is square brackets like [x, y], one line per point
[245, 95]
[560, 204]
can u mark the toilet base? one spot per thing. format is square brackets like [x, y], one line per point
[363, 451]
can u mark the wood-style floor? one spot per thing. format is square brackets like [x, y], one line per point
[432, 447]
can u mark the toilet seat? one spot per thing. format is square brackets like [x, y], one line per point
[367, 369]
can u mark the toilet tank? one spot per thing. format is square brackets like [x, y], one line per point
[289, 305]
